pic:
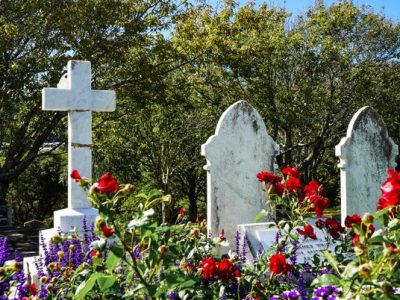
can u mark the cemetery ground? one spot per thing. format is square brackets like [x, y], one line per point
[301, 252]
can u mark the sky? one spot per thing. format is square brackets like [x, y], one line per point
[390, 8]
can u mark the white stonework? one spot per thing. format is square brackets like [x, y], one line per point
[365, 154]
[240, 148]
[74, 95]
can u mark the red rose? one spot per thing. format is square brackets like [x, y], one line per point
[209, 269]
[291, 172]
[267, 177]
[293, 184]
[319, 203]
[225, 269]
[75, 175]
[107, 184]
[307, 231]
[356, 237]
[350, 220]
[279, 188]
[238, 273]
[390, 190]
[313, 187]
[278, 264]
[334, 228]
[320, 224]
[32, 289]
[107, 231]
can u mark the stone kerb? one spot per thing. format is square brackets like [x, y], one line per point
[365, 154]
[240, 148]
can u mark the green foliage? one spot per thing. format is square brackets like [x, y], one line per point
[40, 190]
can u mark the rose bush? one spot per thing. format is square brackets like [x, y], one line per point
[141, 259]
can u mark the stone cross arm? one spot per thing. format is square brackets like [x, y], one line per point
[74, 93]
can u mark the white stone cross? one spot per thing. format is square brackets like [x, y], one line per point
[74, 94]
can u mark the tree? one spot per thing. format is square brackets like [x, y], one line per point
[37, 38]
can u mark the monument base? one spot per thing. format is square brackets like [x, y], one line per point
[64, 221]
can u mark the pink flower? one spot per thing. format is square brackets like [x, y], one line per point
[107, 184]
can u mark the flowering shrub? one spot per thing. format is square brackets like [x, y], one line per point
[141, 259]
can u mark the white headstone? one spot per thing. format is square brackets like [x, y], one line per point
[365, 154]
[262, 236]
[240, 148]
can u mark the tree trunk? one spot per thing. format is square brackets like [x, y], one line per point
[3, 192]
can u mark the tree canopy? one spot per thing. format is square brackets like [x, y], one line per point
[177, 66]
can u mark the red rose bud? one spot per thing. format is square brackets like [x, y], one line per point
[108, 232]
[307, 231]
[290, 171]
[267, 177]
[313, 188]
[293, 184]
[278, 264]
[334, 228]
[32, 289]
[75, 175]
[222, 235]
[350, 220]
[107, 184]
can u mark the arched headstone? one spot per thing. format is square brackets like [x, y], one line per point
[365, 154]
[240, 148]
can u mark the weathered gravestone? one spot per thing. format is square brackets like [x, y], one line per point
[74, 95]
[240, 148]
[260, 237]
[365, 154]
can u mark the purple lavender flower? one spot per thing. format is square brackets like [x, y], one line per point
[293, 258]
[173, 296]
[244, 248]
[291, 295]
[327, 292]
[3, 250]
[237, 242]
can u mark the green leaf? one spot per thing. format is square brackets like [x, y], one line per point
[86, 286]
[394, 224]
[262, 214]
[118, 250]
[326, 279]
[381, 212]
[187, 284]
[105, 282]
[112, 261]
[332, 261]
